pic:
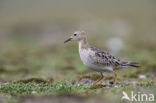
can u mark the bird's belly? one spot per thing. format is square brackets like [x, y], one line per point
[100, 68]
[90, 64]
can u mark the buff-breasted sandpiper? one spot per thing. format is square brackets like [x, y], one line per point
[97, 59]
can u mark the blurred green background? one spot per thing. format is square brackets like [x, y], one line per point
[32, 49]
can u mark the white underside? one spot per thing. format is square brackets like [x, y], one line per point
[84, 55]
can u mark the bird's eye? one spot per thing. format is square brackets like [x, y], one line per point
[75, 34]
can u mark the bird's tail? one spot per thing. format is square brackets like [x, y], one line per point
[130, 64]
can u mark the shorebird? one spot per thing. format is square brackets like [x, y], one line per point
[98, 60]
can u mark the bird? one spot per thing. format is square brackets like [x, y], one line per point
[97, 59]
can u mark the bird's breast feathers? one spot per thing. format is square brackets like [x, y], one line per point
[89, 59]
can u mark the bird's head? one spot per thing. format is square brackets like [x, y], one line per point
[78, 35]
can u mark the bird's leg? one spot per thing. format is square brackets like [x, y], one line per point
[115, 77]
[94, 83]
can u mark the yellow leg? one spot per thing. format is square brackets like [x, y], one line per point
[115, 77]
[94, 83]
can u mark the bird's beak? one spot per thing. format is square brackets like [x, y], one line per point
[68, 40]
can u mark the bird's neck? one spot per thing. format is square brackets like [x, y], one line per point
[83, 44]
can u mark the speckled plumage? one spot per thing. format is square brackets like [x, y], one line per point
[97, 59]
[100, 60]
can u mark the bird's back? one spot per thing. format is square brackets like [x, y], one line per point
[103, 58]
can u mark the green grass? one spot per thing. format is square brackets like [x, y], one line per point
[32, 88]
[39, 88]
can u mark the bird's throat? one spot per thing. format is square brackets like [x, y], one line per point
[83, 44]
